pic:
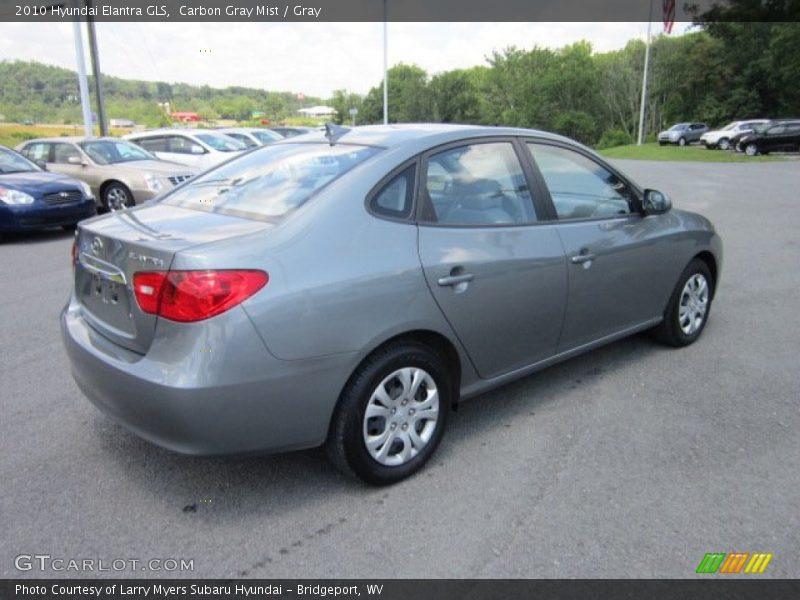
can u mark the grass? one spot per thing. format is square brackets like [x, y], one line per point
[12, 134]
[676, 153]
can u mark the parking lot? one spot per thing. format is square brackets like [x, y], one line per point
[632, 461]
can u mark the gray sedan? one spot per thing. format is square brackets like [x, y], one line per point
[349, 288]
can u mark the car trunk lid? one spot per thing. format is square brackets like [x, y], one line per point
[112, 249]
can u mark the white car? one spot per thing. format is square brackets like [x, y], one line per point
[720, 138]
[200, 148]
[251, 136]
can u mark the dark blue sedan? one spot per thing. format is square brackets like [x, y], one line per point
[32, 198]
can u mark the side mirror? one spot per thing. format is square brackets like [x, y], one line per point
[76, 160]
[41, 164]
[197, 150]
[655, 202]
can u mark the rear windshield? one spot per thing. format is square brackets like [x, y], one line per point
[271, 181]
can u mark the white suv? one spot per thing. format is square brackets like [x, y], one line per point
[720, 138]
[198, 148]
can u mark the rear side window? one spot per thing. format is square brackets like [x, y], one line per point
[37, 151]
[64, 152]
[478, 185]
[183, 145]
[153, 144]
[271, 181]
[394, 199]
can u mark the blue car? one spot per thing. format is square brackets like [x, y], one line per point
[31, 198]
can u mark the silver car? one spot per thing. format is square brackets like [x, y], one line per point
[682, 134]
[349, 288]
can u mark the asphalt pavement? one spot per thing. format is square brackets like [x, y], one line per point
[632, 461]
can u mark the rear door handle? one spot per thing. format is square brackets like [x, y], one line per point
[583, 257]
[456, 279]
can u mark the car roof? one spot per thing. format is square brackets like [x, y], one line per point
[169, 131]
[424, 134]
[73, 139]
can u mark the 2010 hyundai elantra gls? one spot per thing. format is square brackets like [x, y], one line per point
[350, 287]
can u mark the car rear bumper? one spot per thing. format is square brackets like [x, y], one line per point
[31, 217]
[224, 401]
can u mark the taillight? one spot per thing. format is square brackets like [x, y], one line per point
[188, 296]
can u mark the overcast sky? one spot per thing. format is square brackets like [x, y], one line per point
[313, 58]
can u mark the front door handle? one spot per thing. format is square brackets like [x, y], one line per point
[456, 279]
[584, 257]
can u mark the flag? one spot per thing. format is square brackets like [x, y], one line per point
[669, 14]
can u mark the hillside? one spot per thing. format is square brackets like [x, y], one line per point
[47, 94]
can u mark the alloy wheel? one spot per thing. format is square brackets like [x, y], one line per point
[751, 150]
[116, 198]
[724, 144]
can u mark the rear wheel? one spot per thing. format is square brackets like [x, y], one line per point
[116, 196]
[391, 415]
[688, 308]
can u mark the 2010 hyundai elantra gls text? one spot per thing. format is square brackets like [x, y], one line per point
[350, 287]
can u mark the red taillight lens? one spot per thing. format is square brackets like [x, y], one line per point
[188, 296]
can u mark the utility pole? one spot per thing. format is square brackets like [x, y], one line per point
[83, 84]
[98, 86]
[644, 77]
[385, 68]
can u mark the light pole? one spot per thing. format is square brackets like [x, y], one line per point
[83, 85]
[385, 68]
[644, 77]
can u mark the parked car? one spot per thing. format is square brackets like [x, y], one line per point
[288, 132]
[721, 138]
[31, 198]
[199, 148]
[682, 134]
[782, 136]
[251, 137]
[350, 288]
[120, 173]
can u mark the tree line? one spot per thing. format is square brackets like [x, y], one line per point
[720, 72]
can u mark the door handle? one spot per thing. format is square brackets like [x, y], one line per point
[456, 279]
[584, 257]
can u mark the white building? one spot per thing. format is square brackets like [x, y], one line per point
[317, 112]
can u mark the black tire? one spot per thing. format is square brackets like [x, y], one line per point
[682, 142]
[751, 149]
[346, 446]
[662, 143]
[669, 331]
[724, 144]
[113, 191]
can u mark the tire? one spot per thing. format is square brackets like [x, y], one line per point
[116, 196]
[682, 142]
[683, 323]
[724, 144]
[393, 369]
[751, 150]
[662, 143]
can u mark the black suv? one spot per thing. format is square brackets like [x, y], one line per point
[778, 136]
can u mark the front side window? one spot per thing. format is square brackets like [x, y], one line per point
[478, 184]
[106, 152]
[271, 181]
[579, 187]
[222, 143]
[240, 137]
[64, 153]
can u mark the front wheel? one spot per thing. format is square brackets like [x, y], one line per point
[117, 196]
[724, 144]
[688, 308]
[751, 149]
[682, 142]
[391, 415]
